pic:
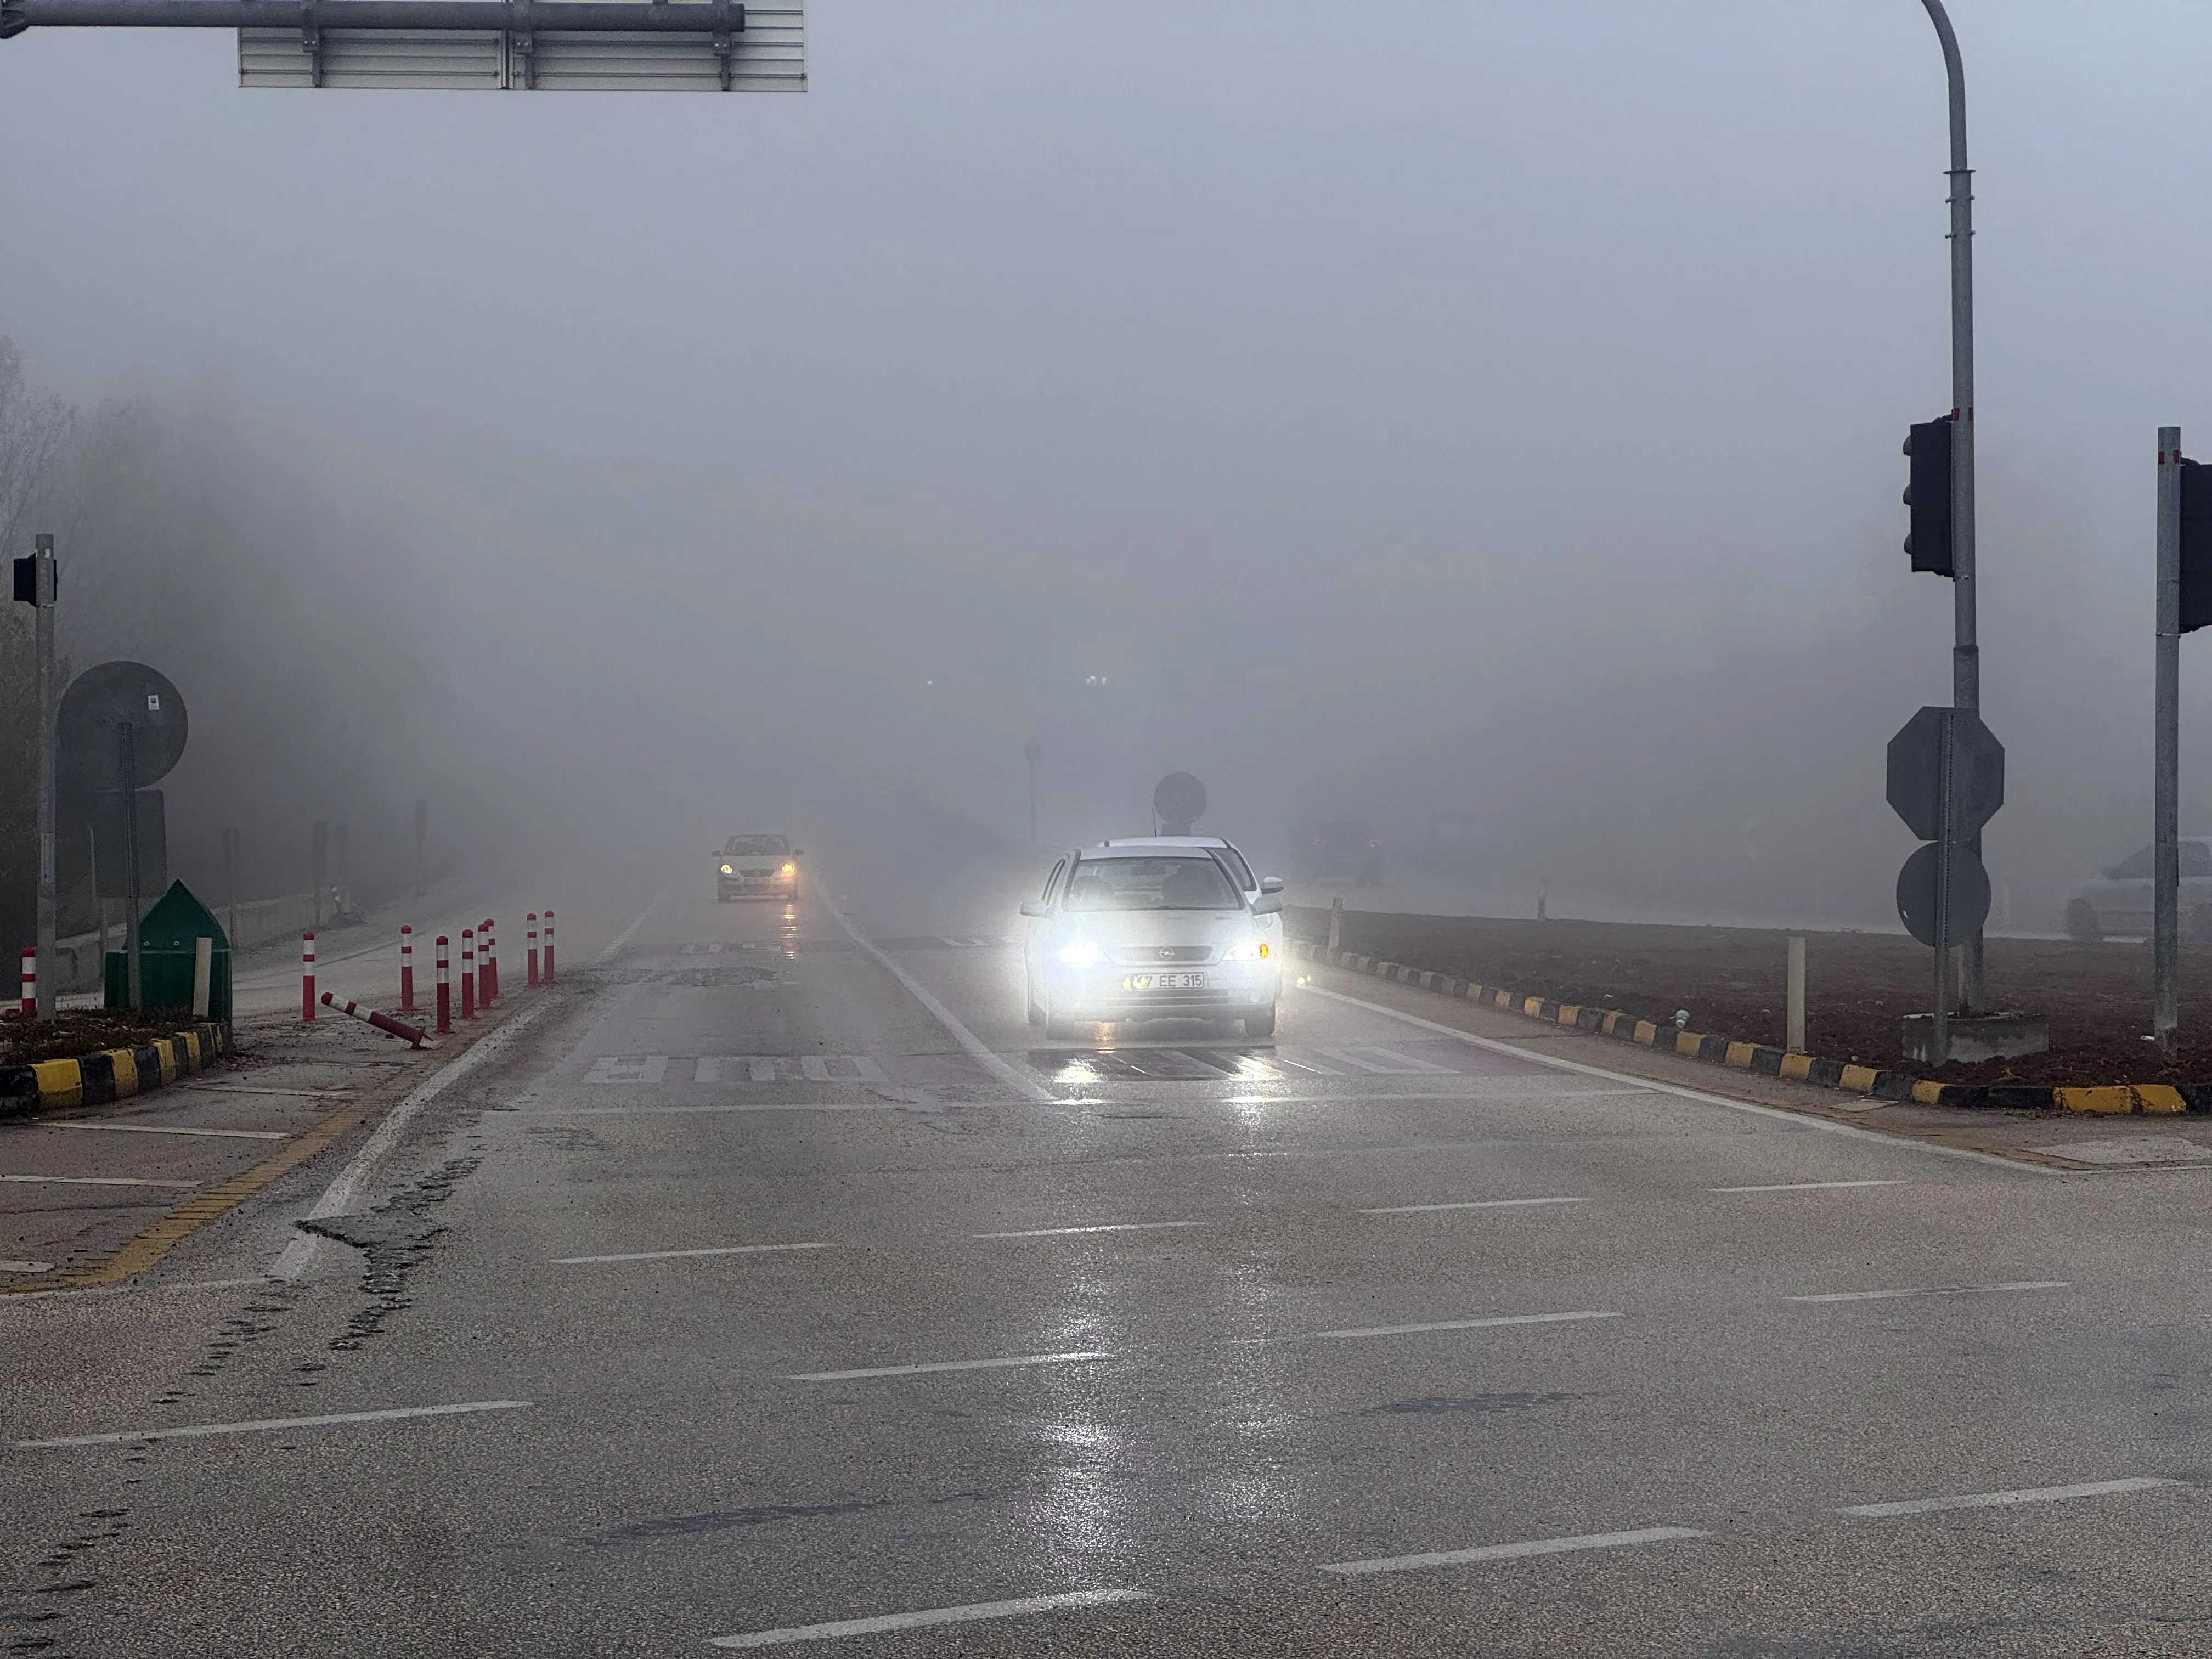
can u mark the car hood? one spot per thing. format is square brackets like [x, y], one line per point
[1117, 930]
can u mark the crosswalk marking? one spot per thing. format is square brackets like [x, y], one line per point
[1383, 1062]
[627, 1068]
[757, 1068]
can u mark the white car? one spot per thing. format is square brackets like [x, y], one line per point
[2119, 901]
[1160, 931]
[1255, 887]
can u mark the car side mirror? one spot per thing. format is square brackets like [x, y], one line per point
[1271, 883]
[1271, 905]
[798, 852]
[1034, 909]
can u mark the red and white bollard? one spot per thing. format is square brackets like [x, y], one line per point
[534, 950]
[549, 947]
[468, 973]
[384, 1023]
[487, 965]
[308, 977]
[406, 968]
[445, 991]
[30, 981]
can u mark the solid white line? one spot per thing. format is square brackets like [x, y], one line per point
[168, 1129]
[94, 1180]
[624, 937]
[26, 1267]
[1455, 1325]
[1999, 1500]
[342, 1194]
[1027, 1087]
[1473, 1204]
[670, 1255]
[197, 1430]
[1805, 1187]
[950, 1365]
[1601, 1541]
[1802, 1120]
[1108, 1227]
[1937, 1290]
[890, 1621]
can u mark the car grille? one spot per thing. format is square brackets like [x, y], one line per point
[756, 872]
[1154, 956]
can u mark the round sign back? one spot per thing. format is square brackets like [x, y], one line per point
[104, 699]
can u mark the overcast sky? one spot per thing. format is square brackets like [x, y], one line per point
[1485, 411]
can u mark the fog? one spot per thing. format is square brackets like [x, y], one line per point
[1483, 421]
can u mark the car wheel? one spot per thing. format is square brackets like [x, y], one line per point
[2081, 924]
[1261, 1024]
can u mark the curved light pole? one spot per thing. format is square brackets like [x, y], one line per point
[1966, 650]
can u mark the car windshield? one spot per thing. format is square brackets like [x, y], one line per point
[757, 847]
[1150, 884]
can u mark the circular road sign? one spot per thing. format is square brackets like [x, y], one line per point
[1180, 800]
[1969, 894]
[114, 695]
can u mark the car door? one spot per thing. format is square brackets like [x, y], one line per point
[2196, 889]
[2123, 897]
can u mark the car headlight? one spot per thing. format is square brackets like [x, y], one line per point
[1250, 949]
[727, 871]
[1081, 953]
[790, 869]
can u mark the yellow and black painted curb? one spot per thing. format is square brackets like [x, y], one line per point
[1881, 1084]
[112, 1074]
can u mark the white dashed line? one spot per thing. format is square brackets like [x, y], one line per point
[1999, 1500]
[197, 1430]
[1106, 1227]
[1937, 1290]
[670, 1255]
[1452, 1325]
[1473, 1204]
[1008, 1363]
[1601, 1541]
[1805, 1187]
[891, 1621]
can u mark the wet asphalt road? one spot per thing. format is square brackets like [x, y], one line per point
[772, 1308]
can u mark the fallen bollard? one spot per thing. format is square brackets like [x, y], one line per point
[382, 1022]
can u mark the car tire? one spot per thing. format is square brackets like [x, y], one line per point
[2082, 926]
[1261, 1024]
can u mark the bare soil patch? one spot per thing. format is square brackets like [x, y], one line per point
[1859, 986]
[73, 1033]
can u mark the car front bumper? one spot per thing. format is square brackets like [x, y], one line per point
[1110, 992]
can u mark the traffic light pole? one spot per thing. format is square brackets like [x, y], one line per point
[2166, 807]
[1966, 650]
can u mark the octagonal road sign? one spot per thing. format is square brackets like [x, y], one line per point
[1969, 894]
[1916, 772]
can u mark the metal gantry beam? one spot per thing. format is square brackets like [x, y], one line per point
[567, 16]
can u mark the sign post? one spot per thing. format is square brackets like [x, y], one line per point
[35, 587]
[2165, 794]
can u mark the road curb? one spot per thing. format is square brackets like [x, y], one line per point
[112, 1074]
[1881, 1084]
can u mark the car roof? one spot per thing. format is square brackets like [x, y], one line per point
[1165, 840]
[1157, 847]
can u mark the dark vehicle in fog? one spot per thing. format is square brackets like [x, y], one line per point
[1339, 850]
[757, 866]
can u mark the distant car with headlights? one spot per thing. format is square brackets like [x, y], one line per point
[1127, 932]
[2118, 900]
[1339, 850]
[757, 866]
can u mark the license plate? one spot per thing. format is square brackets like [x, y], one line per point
[1164, 982]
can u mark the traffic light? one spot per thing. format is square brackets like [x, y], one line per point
[2195, 544]
[1928, 445]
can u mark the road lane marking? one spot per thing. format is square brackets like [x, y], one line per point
[890, 1621]
[1106, 1227]
[1600, 1540]
[250, 1089]
[1938, 1290]
[1999, 1500]
[1805, 1187]
[758, 1068]
[1654, 1085]
[1027, 1087]
[132, 1290]
[1451, 1325]
[1381, 1062]
[815, 1068]
[627, 1068]
[171, 1129]
[341, 1195]
[670, 1255]
[26, 1267]
[1008, 1364]
[198, 1430]
[94, 1180]
[1471, 1204]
